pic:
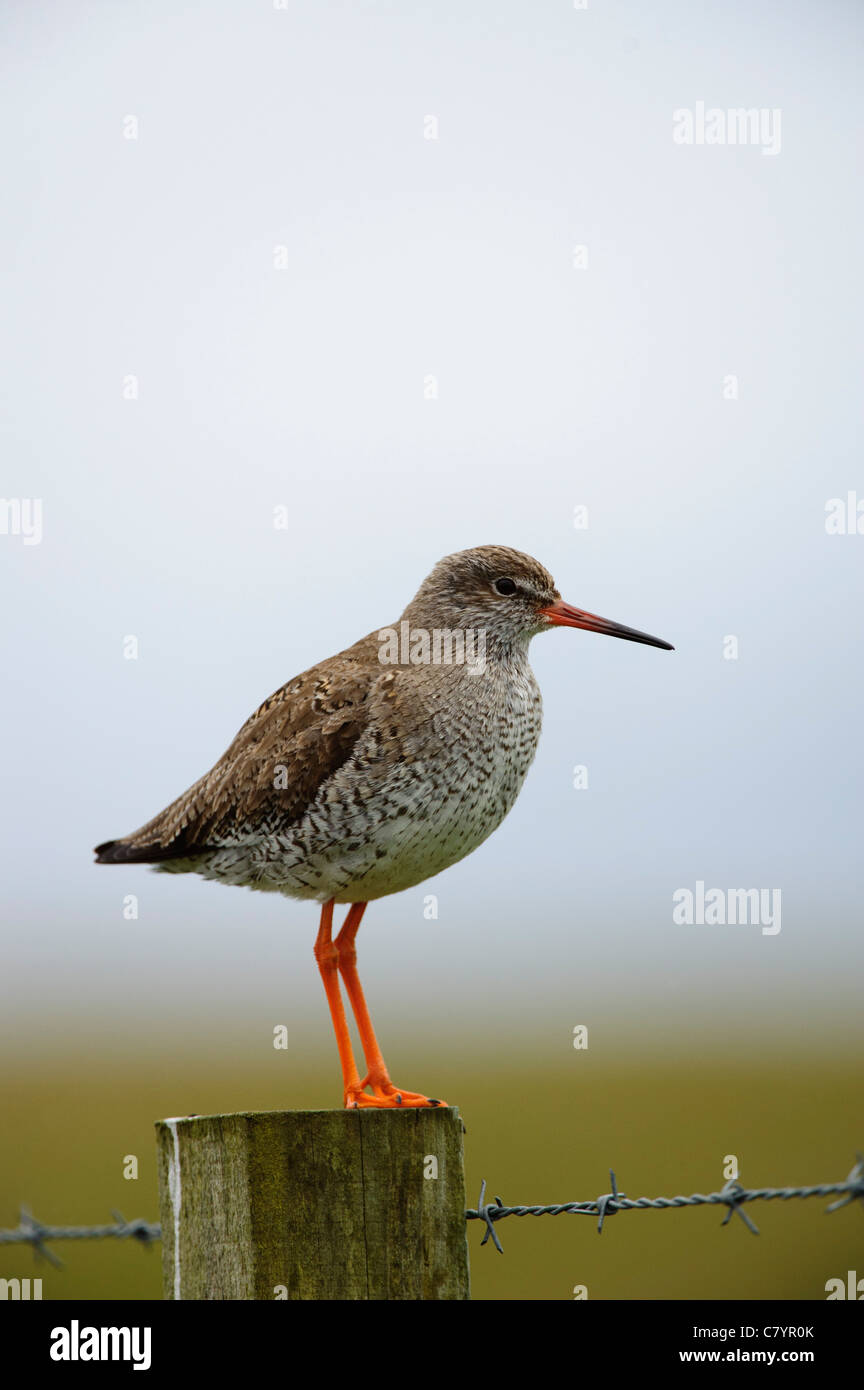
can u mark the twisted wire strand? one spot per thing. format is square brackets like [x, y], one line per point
[29, 1231]
[732, 1196]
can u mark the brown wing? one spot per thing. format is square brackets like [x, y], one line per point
[271, 772]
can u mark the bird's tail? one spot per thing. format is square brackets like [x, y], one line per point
[128, 852]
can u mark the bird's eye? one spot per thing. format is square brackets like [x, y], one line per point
[504, 586]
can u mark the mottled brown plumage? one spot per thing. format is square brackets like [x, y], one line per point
[309, 725]
[371, 772]
[354, 726]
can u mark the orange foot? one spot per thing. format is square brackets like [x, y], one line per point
[386, 1096]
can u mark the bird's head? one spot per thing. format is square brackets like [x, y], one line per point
[507, 594]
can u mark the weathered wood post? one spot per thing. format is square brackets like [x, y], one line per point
[313, 1204]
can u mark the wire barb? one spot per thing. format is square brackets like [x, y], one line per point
[29, 1231]
[732, 1196]
[608, 1205]
[486, 1214]
[855, 1182]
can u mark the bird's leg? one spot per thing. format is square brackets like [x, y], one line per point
[385, 1094]
[327, 957]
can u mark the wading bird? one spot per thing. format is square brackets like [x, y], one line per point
[378, 768]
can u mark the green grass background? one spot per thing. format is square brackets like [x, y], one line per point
[537, 1134]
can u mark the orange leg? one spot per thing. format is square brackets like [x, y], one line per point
[384, 1094]
[327, 957]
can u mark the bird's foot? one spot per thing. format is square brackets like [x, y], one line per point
[386, 1096]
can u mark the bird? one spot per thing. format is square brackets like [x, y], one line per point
[377, 769]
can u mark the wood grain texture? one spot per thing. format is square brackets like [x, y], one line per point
[319, 1204]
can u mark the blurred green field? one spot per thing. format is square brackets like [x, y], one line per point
[536, 1135]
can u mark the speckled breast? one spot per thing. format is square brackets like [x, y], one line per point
[385, 822]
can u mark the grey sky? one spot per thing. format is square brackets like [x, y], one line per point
[558, 386]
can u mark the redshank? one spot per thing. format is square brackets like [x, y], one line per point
[378, 768]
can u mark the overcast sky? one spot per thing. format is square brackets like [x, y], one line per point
[239, 242]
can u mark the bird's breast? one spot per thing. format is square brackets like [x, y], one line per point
[437, 768]
[455, 777]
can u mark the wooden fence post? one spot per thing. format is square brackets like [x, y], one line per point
[313, 1204]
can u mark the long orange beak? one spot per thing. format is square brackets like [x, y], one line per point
[564, 615]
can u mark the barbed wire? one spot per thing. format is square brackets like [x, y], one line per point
[731, 1196]
[31, 1232]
